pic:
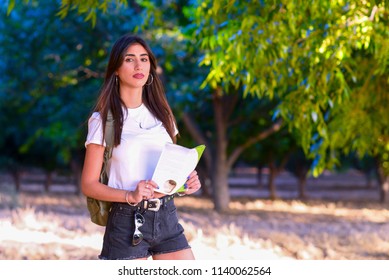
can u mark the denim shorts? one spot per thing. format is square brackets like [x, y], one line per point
[162, 233]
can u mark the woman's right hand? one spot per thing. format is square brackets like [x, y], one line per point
[144, 190]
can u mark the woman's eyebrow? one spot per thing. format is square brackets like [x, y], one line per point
[130, 54]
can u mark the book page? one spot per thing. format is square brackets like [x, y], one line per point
[174, 166]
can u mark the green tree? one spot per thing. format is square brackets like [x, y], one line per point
[362, 123]
[52, 72]
[299, 52]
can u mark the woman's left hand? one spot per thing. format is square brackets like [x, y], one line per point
[193, 183]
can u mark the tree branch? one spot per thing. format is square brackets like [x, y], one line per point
[262, 135]
[90, 73]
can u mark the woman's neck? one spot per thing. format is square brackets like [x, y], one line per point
[132, 98]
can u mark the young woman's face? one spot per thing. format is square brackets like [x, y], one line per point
[135, 69]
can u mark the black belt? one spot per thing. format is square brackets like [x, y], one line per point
[155, 203]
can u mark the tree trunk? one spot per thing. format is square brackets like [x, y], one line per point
[217, 163]
[221, 193]
[383, 180]
[385, 190]
[16, 176]
[301, 172]
[274, 171]
[259, 177]
[302, 180]
[271, 183]
[49, 180]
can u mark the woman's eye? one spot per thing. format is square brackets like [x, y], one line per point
[129, 60]
[144, 59]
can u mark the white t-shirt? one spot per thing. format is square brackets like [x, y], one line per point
[142, 140]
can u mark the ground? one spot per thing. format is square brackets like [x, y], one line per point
[335, 222]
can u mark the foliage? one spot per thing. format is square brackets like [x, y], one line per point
[362, 124]
[52, 69]
[297, 51]
[89, 9]
[325, 63]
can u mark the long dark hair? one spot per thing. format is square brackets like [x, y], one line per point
[153, 95]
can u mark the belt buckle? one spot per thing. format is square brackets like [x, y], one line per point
[153, 204]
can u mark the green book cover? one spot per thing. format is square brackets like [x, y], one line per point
[200, 150]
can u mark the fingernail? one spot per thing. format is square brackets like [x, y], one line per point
[188, 178]
[185, 186]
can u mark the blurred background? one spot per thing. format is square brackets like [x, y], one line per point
[290, 98]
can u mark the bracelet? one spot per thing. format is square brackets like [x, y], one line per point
[129, 203]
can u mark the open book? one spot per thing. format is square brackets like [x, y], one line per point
[174, 166]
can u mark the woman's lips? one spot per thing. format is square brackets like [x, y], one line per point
[138, 76]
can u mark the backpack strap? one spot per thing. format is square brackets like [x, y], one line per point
[109, 141]
[109, 133]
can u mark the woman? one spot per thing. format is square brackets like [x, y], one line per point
[143, 123]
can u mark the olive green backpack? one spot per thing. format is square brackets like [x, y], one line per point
[99, 209]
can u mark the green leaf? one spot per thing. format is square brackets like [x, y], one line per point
[11, 6]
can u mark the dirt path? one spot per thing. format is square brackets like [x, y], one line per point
[313, 230]
[57, 227]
